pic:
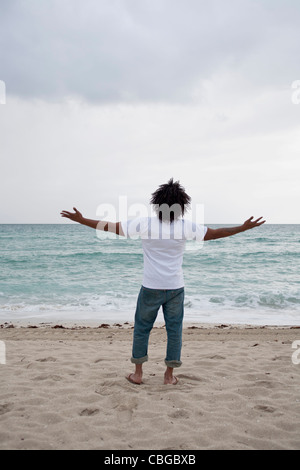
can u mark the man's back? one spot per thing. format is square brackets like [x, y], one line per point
[163, 245]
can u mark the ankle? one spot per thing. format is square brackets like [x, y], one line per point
[169, 372]
[139, 370]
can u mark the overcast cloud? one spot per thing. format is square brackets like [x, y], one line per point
[112, 97]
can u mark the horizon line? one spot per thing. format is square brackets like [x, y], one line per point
[206, 223]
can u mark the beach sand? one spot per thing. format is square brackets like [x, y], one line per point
[64, 388]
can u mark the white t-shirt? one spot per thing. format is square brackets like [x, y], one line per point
[163, 245]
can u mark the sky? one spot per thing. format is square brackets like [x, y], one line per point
[111, 98]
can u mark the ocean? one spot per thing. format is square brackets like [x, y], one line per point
[65, 273]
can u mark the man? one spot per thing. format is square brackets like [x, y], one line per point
[163, 240]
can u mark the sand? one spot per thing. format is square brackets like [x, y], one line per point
[66, 389]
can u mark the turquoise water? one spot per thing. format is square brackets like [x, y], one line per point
[65, 272]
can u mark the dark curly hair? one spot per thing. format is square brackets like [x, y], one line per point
[170, 201]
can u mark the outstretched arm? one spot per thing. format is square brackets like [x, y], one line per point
[96, 224]
[213, 234]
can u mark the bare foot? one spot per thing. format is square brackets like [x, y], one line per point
[170, 380]
[134, 379]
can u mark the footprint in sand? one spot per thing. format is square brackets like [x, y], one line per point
[126, 408]
[267, 409]
[263, 383]
[179, 413]
[46, 359]
[89, 412]
[191, 377]
[5, 408]
[52, 377]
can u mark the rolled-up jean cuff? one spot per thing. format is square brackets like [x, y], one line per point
[139, 360]
[173, 364]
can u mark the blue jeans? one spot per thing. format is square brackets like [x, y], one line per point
[148, 304]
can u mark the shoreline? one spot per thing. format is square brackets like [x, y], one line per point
[130, 325]
[255, 317]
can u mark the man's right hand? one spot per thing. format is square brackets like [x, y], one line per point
[249, 223]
